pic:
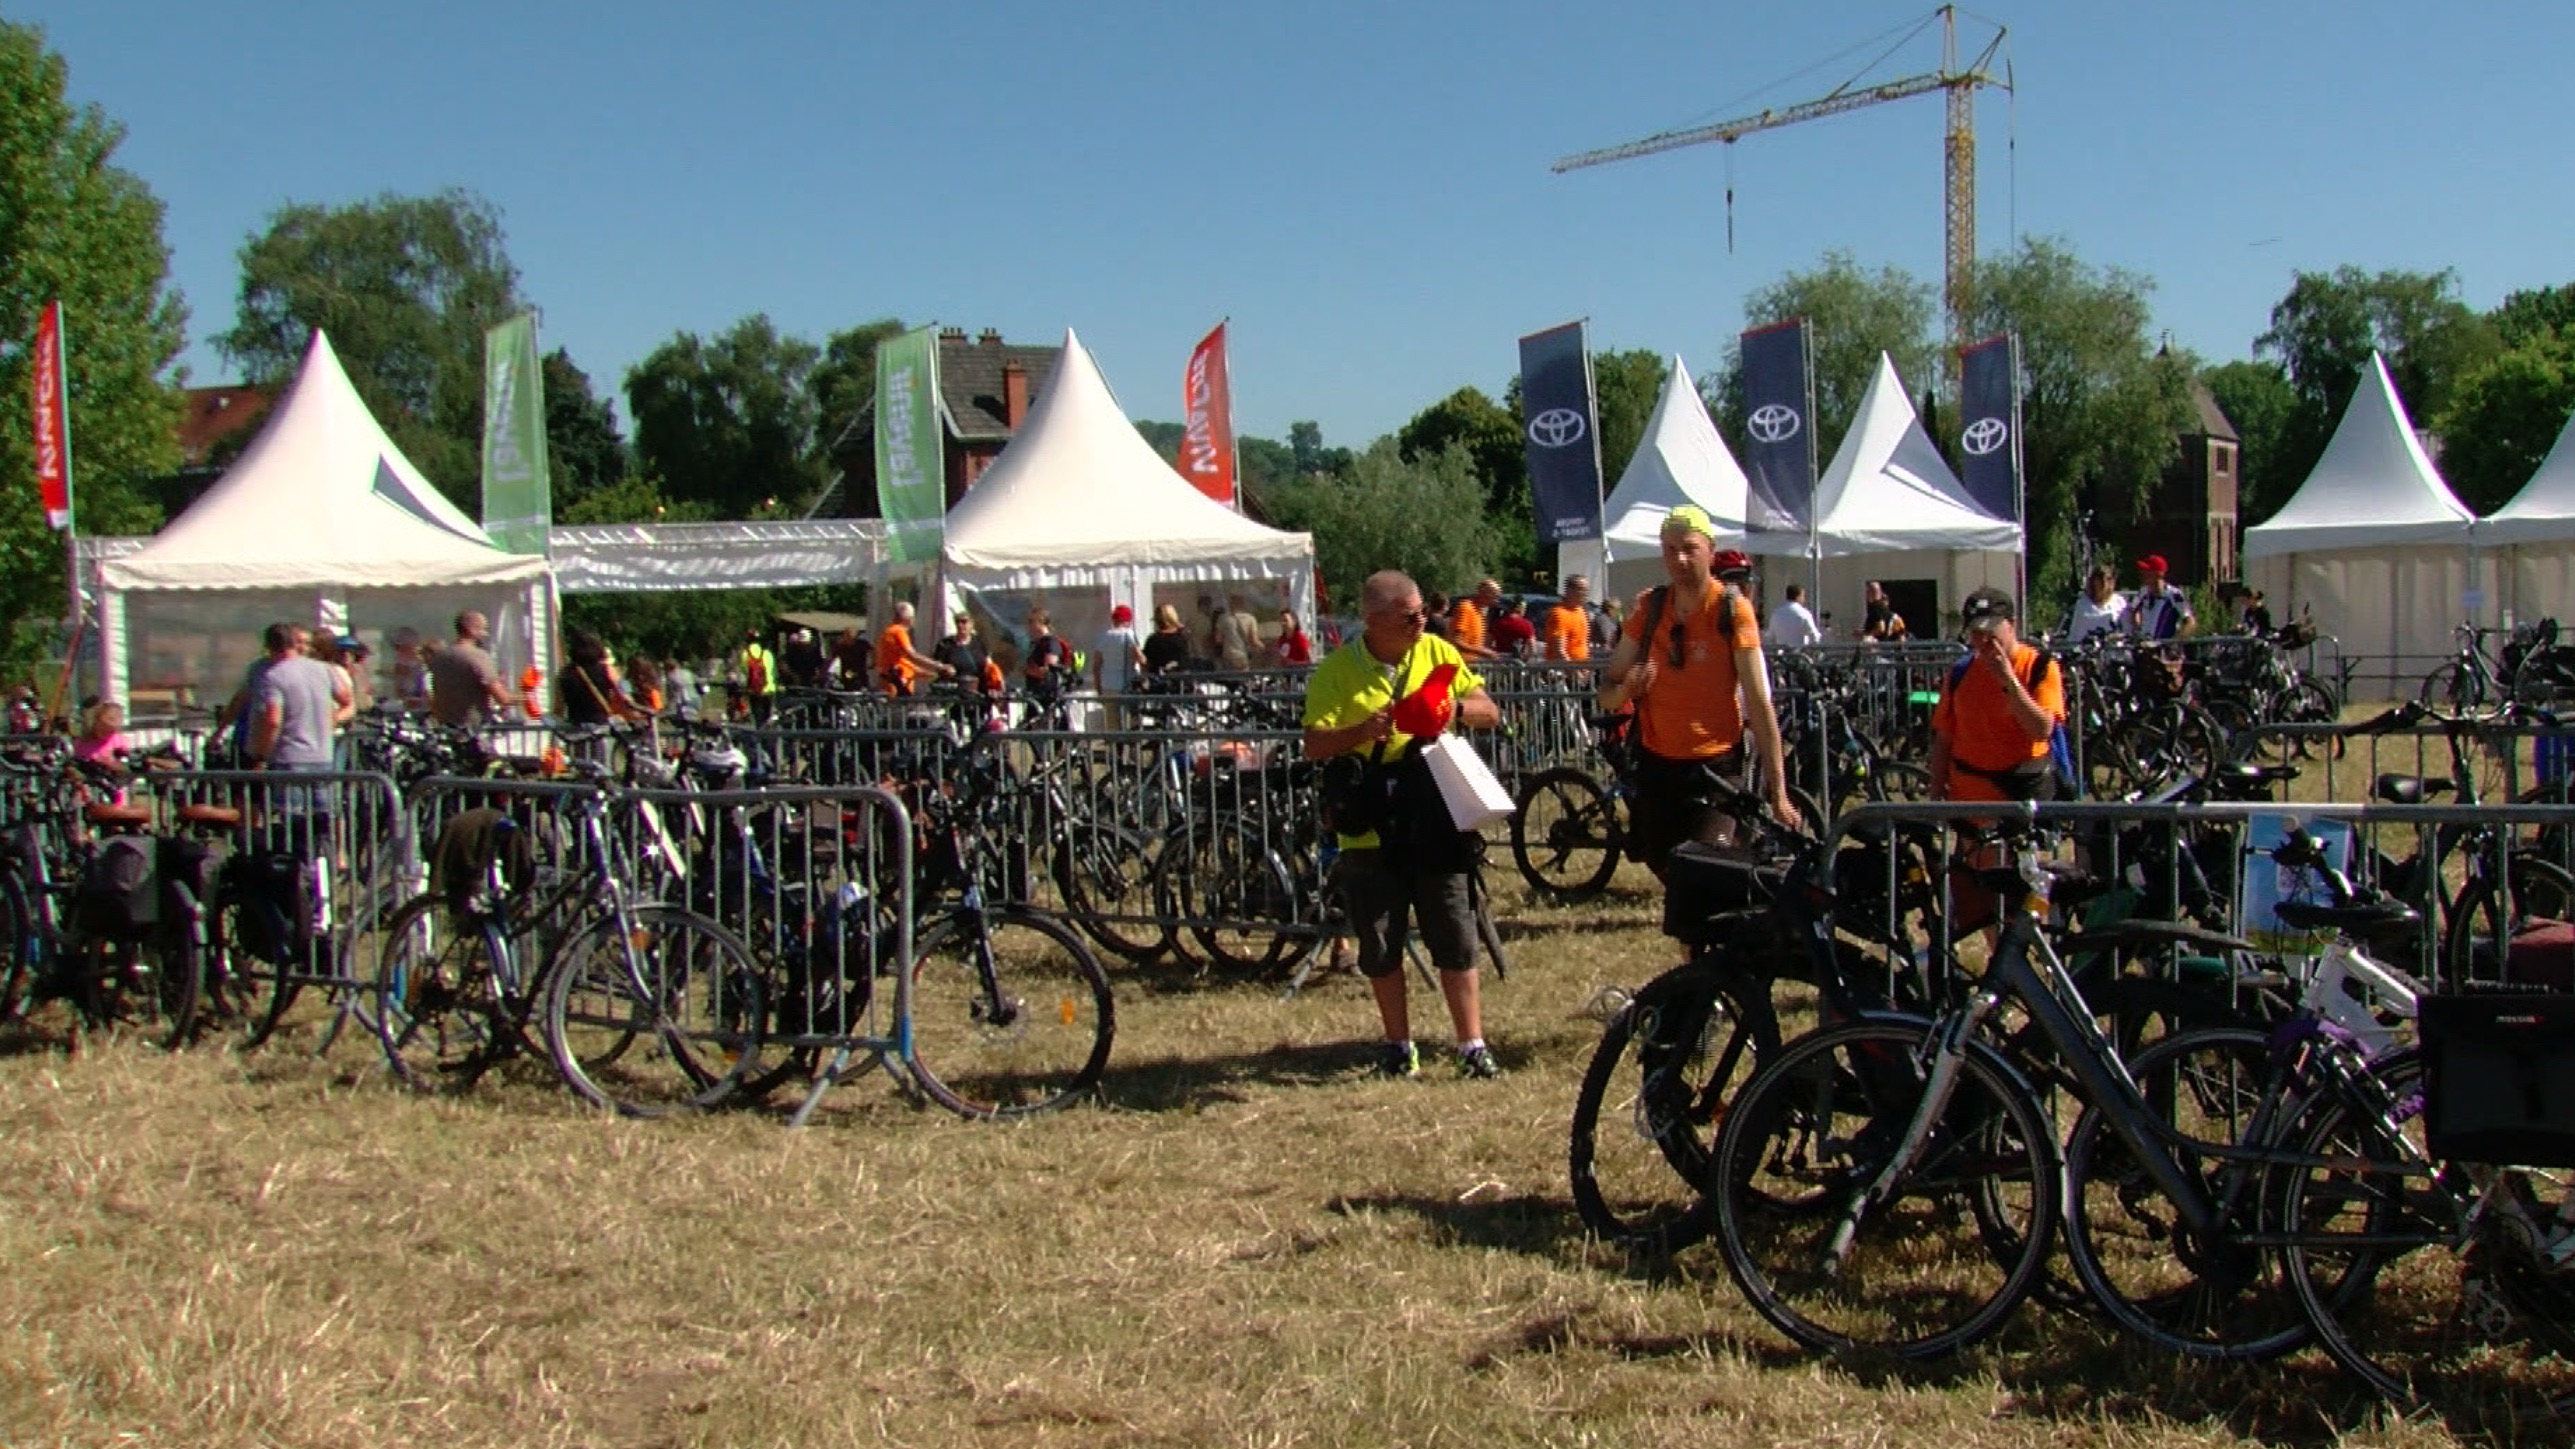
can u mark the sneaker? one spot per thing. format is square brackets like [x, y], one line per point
[1402, 1059]
[1477, 1062]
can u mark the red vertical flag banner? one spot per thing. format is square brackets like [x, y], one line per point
[53, 420]
[1207, 438]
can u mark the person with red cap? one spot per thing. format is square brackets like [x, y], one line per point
[1117, 662]
[1367, 706]
[1690, 663]
[2160, 611]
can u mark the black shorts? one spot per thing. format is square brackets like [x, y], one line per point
[1377, 893]
[1674, 801]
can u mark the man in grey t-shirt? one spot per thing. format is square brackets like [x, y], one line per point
[292, 706]
[465, 685]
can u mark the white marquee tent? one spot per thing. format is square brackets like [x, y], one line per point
[2374, 543]
[321, 521]
[1681, 460]
[1889, 507]
[1079, 513]
[2531, 540]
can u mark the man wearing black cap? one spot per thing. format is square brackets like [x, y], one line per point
[1989, 733]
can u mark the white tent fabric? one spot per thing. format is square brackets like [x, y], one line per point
[1680, 460]
[2373, 488]
[1888, 507]
[321, 521]
[627, 558]
[1081, 512]
[2374, 544]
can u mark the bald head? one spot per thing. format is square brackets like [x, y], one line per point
[1388, 589]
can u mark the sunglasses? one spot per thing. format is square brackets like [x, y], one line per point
[1679, 656]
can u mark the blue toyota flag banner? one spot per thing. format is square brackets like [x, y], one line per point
[1563, 436]
[1989, 425]
[1779, 429]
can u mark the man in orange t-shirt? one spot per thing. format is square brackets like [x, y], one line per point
[1568, 630]
[898, 664]
[1989, 733]
[1466, 623]
[1690, 662]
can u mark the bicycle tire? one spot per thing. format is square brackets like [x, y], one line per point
[2477, 942]
[1566, 835]
[23, 941]
[678, 985]
[2478, 1329]
[438, 1013]
[147, 988]
[1651, 1100]
[1789, 1171]
[2134, 1256]
[1031, 1037]
[1106, 874]
[1239, 901]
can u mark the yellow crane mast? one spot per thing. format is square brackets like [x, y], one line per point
[1958, 150]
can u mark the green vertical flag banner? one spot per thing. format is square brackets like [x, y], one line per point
[911, 473]
[518, 493]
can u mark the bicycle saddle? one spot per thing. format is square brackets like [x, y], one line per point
[2410, 789]
[2360, 918]
[108, 812]
[2246, 772]
[218, 817]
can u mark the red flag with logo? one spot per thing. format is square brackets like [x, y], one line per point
[53, 420]
[1207, 437]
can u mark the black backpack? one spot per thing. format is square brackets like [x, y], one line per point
[119, 897]
[271, 893]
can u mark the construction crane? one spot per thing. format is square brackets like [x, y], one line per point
[1959, 154]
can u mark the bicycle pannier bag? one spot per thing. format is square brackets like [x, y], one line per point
[120, 890]
[1702, 882]
[271, 892]
[2499, 1078]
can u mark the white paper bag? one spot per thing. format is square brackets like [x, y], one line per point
[1474, 798]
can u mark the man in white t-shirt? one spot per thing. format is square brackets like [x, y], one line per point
[1792, 624]
[1117, 662]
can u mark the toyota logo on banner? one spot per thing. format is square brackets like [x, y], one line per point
[1772, 423]
[1556, 428]
[1983, 436]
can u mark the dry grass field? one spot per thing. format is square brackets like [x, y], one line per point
[1249, 1242]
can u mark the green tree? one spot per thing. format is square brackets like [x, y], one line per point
[77, 228]
[1487, 433]
[1389, 510]
[2102, 407]
[405, 287]
[585, 454]
[1305, 445]
[2525, 315]
[2257, 398]
[730, 421]
[2503, 418]
[1626, 385]
[2323, 331]
[1852, 316]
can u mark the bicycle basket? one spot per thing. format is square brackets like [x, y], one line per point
[2499, 1077]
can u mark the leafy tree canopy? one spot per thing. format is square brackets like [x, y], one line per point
[584, 451]
[843, 381]
[730, 421]
[2323, 331]
[1487, 434]
[79, 229]
[1853, 315]
[405, 287]
[1387, 510]
[2503, 418]
[2257, 398]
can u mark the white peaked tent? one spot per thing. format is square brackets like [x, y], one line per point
[2531, 541]
[1889, 507]
[1680, 460]
[1079, 513]
[2374, 543]
[320, 521]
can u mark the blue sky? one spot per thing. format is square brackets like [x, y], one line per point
[1363, 188]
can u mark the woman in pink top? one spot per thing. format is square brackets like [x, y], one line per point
[102, 739]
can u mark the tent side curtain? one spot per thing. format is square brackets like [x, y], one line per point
[665, 558]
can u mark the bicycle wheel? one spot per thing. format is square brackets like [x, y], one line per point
[662, 1016]
[2469, 1318]
[1239, 899]
[146, 988]
[2309, 702]
[23, 941]
[2448, 687]
[1842, 1248]
[1011, 1013]
[1106, 875]
[1566, 835]
[1652, 1097]
[438, 1009]
[2477, 945]
[2136, 1258]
